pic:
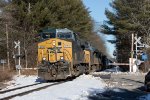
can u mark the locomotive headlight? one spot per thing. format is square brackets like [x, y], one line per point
[54, 43]
[44, 58]
[61, 58]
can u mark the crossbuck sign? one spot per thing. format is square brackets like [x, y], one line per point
[137, 40]
[17, 44]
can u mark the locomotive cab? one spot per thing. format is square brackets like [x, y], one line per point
[52, 45]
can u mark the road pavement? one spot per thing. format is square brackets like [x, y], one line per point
[121, 86]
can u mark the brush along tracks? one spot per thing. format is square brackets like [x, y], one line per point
[8, 94]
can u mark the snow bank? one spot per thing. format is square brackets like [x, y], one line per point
[78, 89]
[118, 73]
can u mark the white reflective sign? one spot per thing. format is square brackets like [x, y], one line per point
[17, 44]
[137, 40]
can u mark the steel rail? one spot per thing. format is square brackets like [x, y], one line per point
[29, 91]
[8, 90]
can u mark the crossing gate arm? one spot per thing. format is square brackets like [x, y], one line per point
[119, 64]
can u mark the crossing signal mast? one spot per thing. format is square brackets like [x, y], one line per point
[138, 45]
[133, 62]
[17, 45]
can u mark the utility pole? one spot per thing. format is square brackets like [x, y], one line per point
[132, 45]
[7, 42]
[136, 47]
[25, 50]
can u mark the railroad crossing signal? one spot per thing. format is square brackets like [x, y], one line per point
[137, 40]
[17, 44]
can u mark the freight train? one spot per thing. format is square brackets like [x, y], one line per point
[62, 54]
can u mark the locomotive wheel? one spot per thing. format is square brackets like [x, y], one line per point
[64, 73]
[86, 69]
[76, 70]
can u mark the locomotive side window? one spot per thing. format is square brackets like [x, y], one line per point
[77, 38]
[64, 35]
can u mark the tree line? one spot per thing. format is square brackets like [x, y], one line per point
[25, 18]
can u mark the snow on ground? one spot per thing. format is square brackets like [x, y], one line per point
[116, 70]
[77, 89]
[22, 80]
[22, 90]
[145, 97]
[117, 90]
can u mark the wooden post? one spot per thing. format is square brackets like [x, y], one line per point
[136, 47]
[7, 42]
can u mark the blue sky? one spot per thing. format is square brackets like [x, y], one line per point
[97, 8]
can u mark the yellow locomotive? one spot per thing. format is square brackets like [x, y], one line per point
[61, 55]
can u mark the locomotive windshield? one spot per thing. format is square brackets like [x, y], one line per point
[48, 35]
[64, 35]
[57, 33]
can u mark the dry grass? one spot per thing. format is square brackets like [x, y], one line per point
[28, 72]
[6, 75]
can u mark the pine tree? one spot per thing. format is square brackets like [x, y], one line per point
[58, 14]
[128, 16]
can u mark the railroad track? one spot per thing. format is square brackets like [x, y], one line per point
[8, 90]
[8, 94]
